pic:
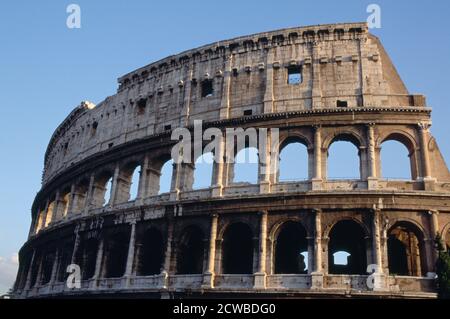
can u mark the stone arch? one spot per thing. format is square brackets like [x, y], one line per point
[246, 160]
[160, 174]
[351, 136]
[151, 253]
[116, 253]
[102, 188]
[203, 166]
[288, 142]
[407, 141]
[237, 249]
[191, 250]
[127, 180]
[406, 249]
[347, 236]
[290, 244]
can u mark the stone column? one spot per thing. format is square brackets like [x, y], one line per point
[434, 216]
[76, 245]
[71, 200]
[98, 262]
[114, 186]
[218, 169]
[39, 272]
[423, 128]
[88, 202]
[30, 271]
[143, 181]
[175, 183]
[208, 277]
[55, 268]
[168, 255]
[376, 241]
[317, 274]
[371, 180]
[265, 160]
[317, 180]
[378, 277]
[260, 276]
[130, 256]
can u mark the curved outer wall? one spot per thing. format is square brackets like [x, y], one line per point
[349, 91]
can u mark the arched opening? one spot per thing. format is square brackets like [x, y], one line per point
[347, 249]
[88, 257]
[116, 254]
[47, 267]
[293, 161]
[190, 251]
[134, 187]
[65, 200]
[246, 166]
[108, 189]
[237, 250]
[343, 160]
[291, 249]
[203, 171]
[152, 253]
[395, 160]
[50, 211]
[165, 179]
[128, 183]
[64, 261]
[405, 246]
[102, 190]
[35, 267]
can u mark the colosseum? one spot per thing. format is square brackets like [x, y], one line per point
[318, 85]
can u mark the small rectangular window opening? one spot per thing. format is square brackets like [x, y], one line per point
[295, 75]
[342, 103]
[167, 127]
[207, 88]
[248, 112]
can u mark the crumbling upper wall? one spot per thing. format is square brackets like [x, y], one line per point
[341, 65]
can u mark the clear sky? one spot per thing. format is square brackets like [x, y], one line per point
[46, 69]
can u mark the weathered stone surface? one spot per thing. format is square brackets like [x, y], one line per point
[186, 240]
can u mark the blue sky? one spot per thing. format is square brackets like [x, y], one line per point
[47, 69]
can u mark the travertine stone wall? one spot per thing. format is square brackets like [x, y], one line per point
[338, 62]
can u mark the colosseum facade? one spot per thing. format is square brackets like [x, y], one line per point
[241, 239]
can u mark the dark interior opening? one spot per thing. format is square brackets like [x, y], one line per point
[290, 244]
[404, 251]
[116, 256]
[89, 258]
[190, 252]
[207, 88]
[347, 237]
[152, 253]
[341, 103]
[238, 250]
